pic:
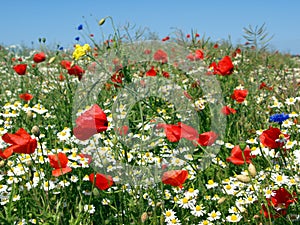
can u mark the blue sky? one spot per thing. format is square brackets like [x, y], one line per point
[23, 22]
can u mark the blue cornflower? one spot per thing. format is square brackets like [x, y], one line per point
[80, 27]
[77, 38]
[279, 117]
[61, 48]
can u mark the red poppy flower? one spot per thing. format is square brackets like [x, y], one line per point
[238, 157]
[102, 181]
[165, 38]
[39, 57]
[61, 77]
[77, 71]
[20, 69]
[190, 57]
[273, 138]
[197, 56]
[216, 46]
[116, 78]
[166, 74]
[282, 197]
[226, 110]
[188, 132]
[151, 72]
[21, 142]
[263, 85]
[175, 178]
[26, 96]
[6, 153]
[160, 56]
[123, 130]
[207, 138]
[175, 132]
[66, 64]
[60, 164]
[238, 51]
[90, 122]
[224, 66]
[280, 201]
[147, 51]
[239, 95]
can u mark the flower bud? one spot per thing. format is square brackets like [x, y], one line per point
[102, 21]
[243, 146]
[36, 131]
[52, 60]
[29, 162]
[144, 217]
[2, 163]
[96, 192]
[243, 178]
[252, 170]
[221, 200]
[29, 114]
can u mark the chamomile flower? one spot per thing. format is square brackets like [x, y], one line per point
[205, 222]
[211, 184]
[16, 198]
[290, 101]
[267, 192]
[287, 123]
[198, 210]
[89, 208]
[279, 179]
[234, 218]
[213, 215]
[169, 215]
[105, 201]
[48, 185]
[191, 193]
[229, 145]
[21, 222]
[64, 135]
[252, 141]
[74, 178]
[186, 203]
[174, 221]
[290, 144]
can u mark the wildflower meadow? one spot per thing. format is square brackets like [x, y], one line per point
[126, 128]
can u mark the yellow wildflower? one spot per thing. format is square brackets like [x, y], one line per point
[81, 51]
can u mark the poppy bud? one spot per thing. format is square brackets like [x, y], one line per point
[36, 131]
[221, 200]
[243, 178]
[29, 162]
[115, 140]
[29, 114]
[2, 163]
[144, 217]
[243, 146]
[252, 170]
[51, 60]
[96, 192]
[102, 21]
